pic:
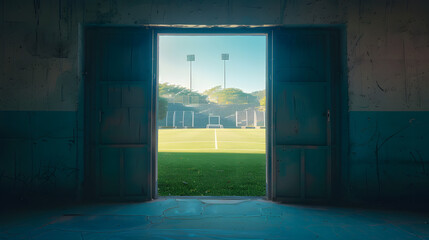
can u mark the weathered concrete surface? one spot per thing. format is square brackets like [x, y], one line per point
[388, 55]
[213, 219]
[389, 155]
[38, 154]
[387, 60]
[388, 46]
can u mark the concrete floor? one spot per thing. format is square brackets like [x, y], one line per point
[212, 219]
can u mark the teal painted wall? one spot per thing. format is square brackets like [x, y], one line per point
[389, 156]
[386, 67]
[39, 155]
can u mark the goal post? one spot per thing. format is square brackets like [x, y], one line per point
[249, 118]
[214, 121]
[180, 119]
[241, 119]
[188, 119]
[259, 118]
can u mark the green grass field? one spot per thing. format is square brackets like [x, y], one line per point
[211, 162]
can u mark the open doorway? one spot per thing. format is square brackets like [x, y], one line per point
[303, 117]
[211, 115]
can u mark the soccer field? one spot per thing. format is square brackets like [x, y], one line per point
[211, 162]
[212, 140]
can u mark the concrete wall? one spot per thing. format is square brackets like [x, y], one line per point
[388, 74]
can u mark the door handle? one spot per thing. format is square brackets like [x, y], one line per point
[328, 115]
[100, 116]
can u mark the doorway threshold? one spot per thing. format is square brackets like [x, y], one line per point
[215, 197]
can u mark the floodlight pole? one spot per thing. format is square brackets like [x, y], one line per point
[224, 74]
[224, 57]
[190, 58]
[190, 76]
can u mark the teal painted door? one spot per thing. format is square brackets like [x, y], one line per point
[302, 78]
[120, 75]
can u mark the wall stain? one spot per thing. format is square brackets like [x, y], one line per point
[378, 146]
[405, 74]
[36, 6]
[419, 161]
[379, 87]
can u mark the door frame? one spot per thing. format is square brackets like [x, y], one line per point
[341, 153]
[258, 31]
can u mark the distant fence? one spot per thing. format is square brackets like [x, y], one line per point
[197, 116]
[180, 119]
[250, 118]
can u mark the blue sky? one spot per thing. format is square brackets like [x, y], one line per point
[245, 68]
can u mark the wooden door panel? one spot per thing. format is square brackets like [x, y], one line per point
[302, 73]
[135, 172]
[302, 56]
[109, 172]
[128, 95]
[124, 55]
[124, 126]
[288, 173]
[316, 181]
[121, 102]
[301, 114]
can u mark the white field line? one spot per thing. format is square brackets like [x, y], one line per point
[162, 142]
[198, 149]
[186, 142]
[215, 140]
[185, 149]
[242, 142]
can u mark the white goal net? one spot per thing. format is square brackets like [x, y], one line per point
[250, 118]
[214, 122]
[180, 119]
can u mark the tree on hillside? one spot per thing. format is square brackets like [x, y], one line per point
[179, 94]
[230, 96]
[169, 90]
[162, 108]
[259, 94]
[262, 103]
[212, 90]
